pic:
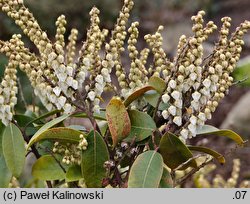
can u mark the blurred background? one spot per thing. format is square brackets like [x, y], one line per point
[233, 112]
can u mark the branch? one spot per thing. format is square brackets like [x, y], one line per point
[192, 172]
[189, 160]
[240, 81]
[21, 94]
[57, 161]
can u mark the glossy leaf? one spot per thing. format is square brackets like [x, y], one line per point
[206, 129]
[46, 115]
[100, 116]
[23, 120]
[74, 173]
[142, 125]
[146, 171]
[242, 74]
[103, 125]
[50, 124]
[174, 152]
[47, 168]
[30, 114]
[210, 130]
[118, 120]
[77, 127]
[219, 157]
[152, 98]
[13, 149]
[2, 128]
[93, 159]
[5, 175]
[135, 95]
[47, 126]
[166, 180]
[62, 134]
[30, 131]
[158, 84]
[44, 146]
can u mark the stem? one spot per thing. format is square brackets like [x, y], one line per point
[188, 161]
[153, 140]
[118, 177]
[173, 176]
[93, 121]
[21, 94]
[49, 184]
[241, 81]
[192, 172]
[59, 163]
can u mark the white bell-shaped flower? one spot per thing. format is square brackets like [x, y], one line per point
[172, 110]
[165, 114]
[196, 96]
[177, 120]
[91, 95]
[165, 98]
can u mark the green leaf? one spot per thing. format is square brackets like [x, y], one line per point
[47, 168]
[206, 129]
[100, 116]
[142, 125]
[74, 173]
[5, 175]
[30, 114]
[51, 123]
[93, 159]
[242, 73]
[158, 84]
[30, 131]
[152, 98]
[48, 125]
[174, 152]
[44, 146]
[118, 120]
[210, 130]
[103, 125]
[166, 180]
[135, 95]
[25, 122]
[46, 115]
[77, 127]
[13, 149]
[146, 171]
[22, 120]
[2, 128]
[219, 157]
[62, 134]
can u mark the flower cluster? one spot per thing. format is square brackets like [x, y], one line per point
[8, 91]
[196, 85]
[56, 75]
[218, 181]
[71, 152]
[83, 144]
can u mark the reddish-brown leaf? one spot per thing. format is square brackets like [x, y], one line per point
[118, 120]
